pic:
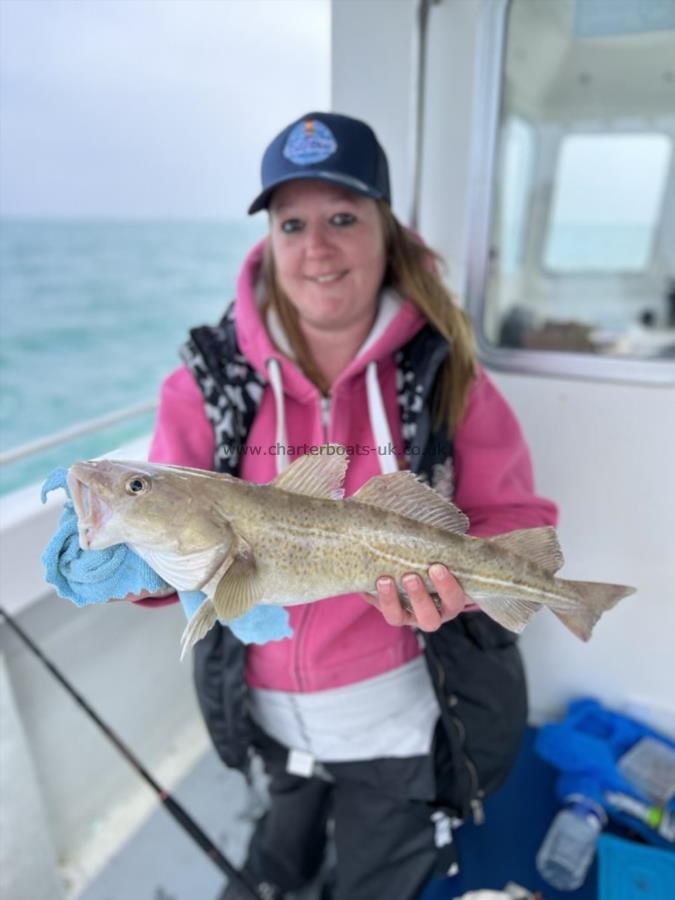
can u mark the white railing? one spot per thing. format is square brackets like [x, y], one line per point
[68, 434]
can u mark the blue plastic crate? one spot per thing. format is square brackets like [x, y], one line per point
[629, 871]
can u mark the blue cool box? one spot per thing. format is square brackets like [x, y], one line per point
[629, 871]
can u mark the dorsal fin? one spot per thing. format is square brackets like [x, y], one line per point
[402, 493]
[317, 474]
[538, 545]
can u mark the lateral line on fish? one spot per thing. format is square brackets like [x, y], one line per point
[473, 576]
[519, 585]
[304, 532]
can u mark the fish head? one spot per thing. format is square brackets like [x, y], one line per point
[146, 506]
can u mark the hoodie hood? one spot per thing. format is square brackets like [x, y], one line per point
[398, 320]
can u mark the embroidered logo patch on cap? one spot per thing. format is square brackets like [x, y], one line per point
[310, 142]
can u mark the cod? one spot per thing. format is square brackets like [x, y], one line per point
[296, 540]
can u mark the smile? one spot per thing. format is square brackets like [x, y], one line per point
[327, 279]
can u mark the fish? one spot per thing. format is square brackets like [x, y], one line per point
[298, 540]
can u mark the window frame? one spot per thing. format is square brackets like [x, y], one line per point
[484, 147]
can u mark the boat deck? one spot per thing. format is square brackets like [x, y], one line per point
[160, 861]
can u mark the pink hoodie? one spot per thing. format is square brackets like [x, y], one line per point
[342, 640]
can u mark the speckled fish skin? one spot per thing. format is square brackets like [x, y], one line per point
[293, 542]
[308, 548]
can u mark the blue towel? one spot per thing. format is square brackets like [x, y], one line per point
[96, 576]
[258, 626]
[91, 576]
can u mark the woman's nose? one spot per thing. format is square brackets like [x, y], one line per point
[317, 240]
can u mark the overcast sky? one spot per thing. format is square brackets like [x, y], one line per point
[150, 108]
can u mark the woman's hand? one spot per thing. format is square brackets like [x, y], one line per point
[425, 615]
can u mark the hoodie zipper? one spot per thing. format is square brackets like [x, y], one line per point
[477, 794]
[324, 405]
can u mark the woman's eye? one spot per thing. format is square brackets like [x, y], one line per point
[343, 219]
[289, 226]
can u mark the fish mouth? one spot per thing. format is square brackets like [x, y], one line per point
[91, 510]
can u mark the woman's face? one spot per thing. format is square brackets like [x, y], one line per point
[329, 254]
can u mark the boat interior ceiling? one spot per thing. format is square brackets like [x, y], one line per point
[557, 72]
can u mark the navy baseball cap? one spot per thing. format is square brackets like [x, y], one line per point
[327, 147]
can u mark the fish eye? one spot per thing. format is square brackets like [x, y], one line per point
[137, 484]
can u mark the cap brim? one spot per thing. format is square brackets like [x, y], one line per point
[344, 181]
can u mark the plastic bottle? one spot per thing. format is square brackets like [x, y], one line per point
[568, 848]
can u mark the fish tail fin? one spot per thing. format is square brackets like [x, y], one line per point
[200, 623]
[595, 599]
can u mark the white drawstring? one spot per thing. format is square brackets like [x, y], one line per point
[376, 413]
[379, 422]
[274, 372]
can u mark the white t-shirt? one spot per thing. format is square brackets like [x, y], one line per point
[391, 715]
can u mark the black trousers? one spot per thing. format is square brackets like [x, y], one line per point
[385, 837]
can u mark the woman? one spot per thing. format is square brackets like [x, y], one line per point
[389, 722]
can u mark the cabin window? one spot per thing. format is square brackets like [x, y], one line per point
[607, 197]
[574, 270]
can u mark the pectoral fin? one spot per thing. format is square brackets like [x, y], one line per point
[239, 588]
[236, 592]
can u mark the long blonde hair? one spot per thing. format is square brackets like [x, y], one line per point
[413, 271]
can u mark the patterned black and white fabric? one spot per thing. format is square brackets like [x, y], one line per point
[231, 387]
[428, 450]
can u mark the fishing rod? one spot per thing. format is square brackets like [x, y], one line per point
[247, 890]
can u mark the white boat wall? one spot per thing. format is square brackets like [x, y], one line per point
[602, 442]
[601, 428]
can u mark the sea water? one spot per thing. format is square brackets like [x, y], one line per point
[92, 315]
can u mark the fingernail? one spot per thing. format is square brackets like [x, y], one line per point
[384, 583]
[410, 582]
[438, 571]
